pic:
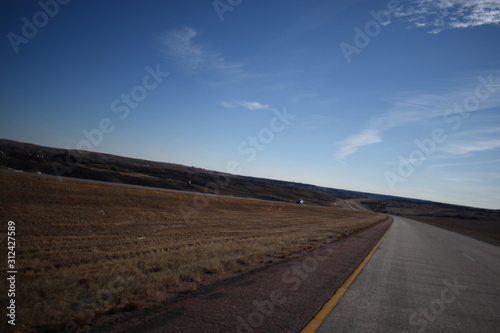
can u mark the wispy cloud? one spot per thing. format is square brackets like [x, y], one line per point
[449, 14]
[419, 108]
[461, 164]
[180, 45]
[354, 142]
[413, 109]
[472, 141]
[462, 180]
[479, 133]
[246, 105]
[467, 147]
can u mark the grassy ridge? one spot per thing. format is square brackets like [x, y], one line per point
[118, 169]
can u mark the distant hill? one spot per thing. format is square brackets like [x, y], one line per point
[483, 223]
[117, 169]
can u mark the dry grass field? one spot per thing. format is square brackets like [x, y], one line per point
[84, 248]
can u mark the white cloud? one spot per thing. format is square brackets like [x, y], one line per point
[413, 109]
[181, 46]
[479, 132]
[246, 105]
[255, 105]
[450, 14]
[463, 148]
[472, 141]
[461, 164]
[419, 108]
[354, 142]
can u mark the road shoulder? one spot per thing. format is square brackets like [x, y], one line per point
[280, 298]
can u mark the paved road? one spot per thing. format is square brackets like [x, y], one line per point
[355, 205]
[423, 279]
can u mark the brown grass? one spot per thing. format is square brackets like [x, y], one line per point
[85, 249]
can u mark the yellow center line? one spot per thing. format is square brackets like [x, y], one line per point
[316, 322]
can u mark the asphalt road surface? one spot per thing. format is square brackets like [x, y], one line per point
[423, 279]
[355, 205]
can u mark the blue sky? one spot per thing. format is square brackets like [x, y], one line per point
[391, 97]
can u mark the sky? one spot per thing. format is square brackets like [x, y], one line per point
[390, 97]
